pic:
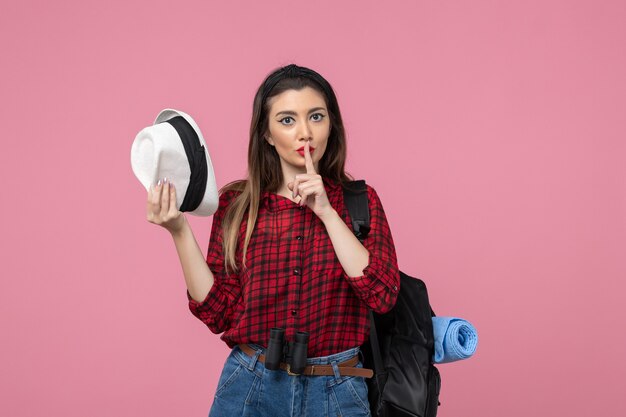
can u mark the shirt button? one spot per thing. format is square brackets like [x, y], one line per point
[296, 271]
[299, 237]
[301, 208]
[395, 288]
[294, 312]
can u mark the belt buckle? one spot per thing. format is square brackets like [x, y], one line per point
[289, 371]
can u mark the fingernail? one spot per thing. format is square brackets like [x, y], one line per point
[159, 183]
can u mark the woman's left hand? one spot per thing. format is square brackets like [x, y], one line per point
[310, 188]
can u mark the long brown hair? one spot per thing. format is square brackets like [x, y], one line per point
[264, 168]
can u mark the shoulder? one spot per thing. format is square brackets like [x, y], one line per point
[372, 194]
[227, 195]
[231, 190]
[377, 212]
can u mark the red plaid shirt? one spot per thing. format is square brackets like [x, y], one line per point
[294, 279]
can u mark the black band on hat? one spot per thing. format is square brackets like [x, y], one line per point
[197, 163]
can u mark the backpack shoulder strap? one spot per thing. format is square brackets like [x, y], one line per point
[355, 199]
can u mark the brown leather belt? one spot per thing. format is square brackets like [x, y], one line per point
[347, 368]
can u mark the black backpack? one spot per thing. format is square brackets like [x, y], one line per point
[401, 346]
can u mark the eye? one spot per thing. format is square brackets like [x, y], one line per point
[317, 117]
[286, 120]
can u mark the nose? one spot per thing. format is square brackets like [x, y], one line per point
[305, 132]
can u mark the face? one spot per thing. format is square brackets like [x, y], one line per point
[297, 116]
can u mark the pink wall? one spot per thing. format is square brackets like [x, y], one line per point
[493, 132]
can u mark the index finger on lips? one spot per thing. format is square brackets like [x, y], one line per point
[310, 168]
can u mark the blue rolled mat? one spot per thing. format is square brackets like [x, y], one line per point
[455, 339]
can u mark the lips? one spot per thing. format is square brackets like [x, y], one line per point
[301, 150]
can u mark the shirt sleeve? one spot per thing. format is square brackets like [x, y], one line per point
[218, 307]
[379, 285]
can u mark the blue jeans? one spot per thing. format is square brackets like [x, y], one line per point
[246, 388]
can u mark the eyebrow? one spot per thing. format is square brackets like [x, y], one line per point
[293, 113]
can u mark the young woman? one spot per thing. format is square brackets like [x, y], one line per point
[282, 254]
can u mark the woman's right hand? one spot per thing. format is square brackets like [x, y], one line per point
[161, 207]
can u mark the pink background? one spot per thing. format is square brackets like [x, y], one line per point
[493, 132]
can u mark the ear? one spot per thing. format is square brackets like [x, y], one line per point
[269, 140]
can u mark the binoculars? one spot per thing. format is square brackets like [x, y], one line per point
[293, 353]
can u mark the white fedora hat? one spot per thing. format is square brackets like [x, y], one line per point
[174, 148]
